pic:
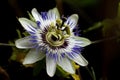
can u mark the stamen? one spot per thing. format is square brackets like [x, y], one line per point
[57, 34]
[53, 39]
[59, 23]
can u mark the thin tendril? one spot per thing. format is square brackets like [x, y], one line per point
[5, 44]
[105, 39]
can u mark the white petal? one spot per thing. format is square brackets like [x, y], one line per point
[27, 24]
[81, 41]
[51, 66]
[66, 65]
[72, 21]
[79, 59]
[33, 56]
[36, 15]
[23, 43]
[53, 14]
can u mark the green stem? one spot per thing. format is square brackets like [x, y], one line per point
[92, 73]
[19, 34]
[94, 27]
[5, 44]
[78, 70]
[105, 39]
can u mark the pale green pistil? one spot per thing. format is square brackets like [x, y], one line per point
[56, 35]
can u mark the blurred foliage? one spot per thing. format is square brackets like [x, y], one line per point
[76, 77]
[18, 54]
[3, 74]
[112, 26]
[38, 67]
[81, 3]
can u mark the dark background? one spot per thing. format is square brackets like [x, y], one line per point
[103, 57]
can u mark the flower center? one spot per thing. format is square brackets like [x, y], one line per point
[54, 39]
[57, 34]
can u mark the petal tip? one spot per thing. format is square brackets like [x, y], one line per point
[27, 62]
[50, 66]
[85, 63]
[51, 75]
[33, 10]
[17, 44]
[75, 16]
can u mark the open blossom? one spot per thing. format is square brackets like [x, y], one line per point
[52, 38]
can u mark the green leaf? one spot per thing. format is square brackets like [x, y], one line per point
[38, 67]
[61, 73]
[118, 13]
